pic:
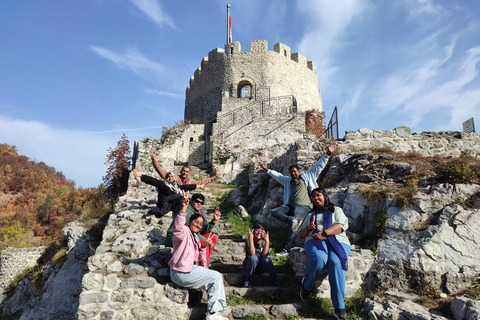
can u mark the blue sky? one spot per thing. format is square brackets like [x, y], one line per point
[75, 75]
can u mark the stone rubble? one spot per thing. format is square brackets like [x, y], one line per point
[432, 243]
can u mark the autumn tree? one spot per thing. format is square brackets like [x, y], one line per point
[314, 122]
[36, 201]
[118, 161]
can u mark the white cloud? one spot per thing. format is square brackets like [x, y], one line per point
[436, 86]
[326, 25]
[424, 7]
[163, 93]
[79, 155]
[133, 60]
[154, 12]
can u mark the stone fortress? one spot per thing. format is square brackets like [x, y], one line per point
[229, 79]
[248, 98]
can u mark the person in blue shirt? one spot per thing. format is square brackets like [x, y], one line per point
[296, 190]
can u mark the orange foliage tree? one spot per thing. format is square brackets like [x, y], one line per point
[36, 201]
[314, 122]
[118, 161]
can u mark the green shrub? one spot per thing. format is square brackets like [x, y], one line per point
[318, 308]
[475, 295]
[225, 206]
[239, 226]
[459, 170]
[380, 220]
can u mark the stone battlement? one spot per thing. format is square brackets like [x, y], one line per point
[230, 78]
[257, 47]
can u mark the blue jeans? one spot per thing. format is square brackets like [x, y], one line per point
[316, 260]
[254, 264]
[201, 278]
[287, 213]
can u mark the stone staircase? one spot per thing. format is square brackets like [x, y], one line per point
[229, 251]
[227, 257]
[128, 276]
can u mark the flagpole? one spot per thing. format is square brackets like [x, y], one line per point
[229, 25]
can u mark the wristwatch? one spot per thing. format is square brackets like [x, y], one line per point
[324, 234]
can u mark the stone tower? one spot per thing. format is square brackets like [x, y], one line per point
[229, 79]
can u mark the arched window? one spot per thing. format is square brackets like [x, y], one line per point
[244, 90]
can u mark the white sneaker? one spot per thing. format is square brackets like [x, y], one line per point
[296, 224]
[215, 316]
[282, 253]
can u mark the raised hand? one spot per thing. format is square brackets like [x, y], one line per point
[332, 146]
[185, 197]
[263, 166]
[266, 236]
[153, 155]
[216, 215]
[312, 225]
[250, 235]
[207, 242]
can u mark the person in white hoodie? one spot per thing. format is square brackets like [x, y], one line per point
[296, 190]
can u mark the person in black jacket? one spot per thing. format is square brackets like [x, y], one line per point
[169, 193]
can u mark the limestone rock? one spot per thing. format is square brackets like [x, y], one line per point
[465, 309]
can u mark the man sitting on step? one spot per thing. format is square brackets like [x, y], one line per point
[169, 193]
[195, 206]
[181, 178]
[296, 190]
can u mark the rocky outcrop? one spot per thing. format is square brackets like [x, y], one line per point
[430, 244]
[58, 297]
[14, 261]
[402, 140]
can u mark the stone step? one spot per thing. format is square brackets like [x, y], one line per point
[236, 279]
[231, 292]
[227, 267]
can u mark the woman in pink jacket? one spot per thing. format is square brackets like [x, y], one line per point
[184, 264]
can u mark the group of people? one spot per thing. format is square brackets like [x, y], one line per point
[306, 208]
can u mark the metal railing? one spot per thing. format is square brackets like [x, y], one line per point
[332, 128]
[278, 107]
[273, 108]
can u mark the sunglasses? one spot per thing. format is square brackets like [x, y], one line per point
[258, 230]
[199, 201]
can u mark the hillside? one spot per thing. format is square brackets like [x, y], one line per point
[36, 201]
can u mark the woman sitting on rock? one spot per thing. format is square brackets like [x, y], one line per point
[256, 259]
[184, 264]
[326, 242]
[169, 193]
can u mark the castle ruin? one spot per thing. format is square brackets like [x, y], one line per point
[229, 79]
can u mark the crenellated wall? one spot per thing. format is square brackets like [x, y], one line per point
[402, 140]
[216, 85]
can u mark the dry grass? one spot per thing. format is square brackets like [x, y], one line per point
[376, 194]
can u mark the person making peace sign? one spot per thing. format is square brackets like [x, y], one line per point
[185, 269]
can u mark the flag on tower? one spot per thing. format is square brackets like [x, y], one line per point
[229, 22]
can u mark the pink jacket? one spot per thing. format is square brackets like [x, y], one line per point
[185, 246]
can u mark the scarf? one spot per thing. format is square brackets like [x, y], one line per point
[331, 240]
[173, 186]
